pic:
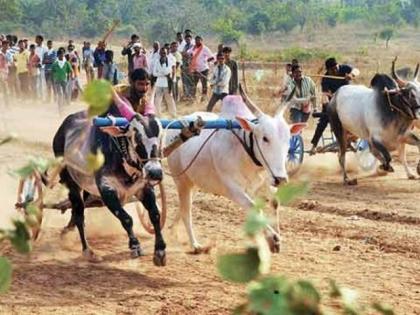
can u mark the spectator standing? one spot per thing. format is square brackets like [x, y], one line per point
[99, 56]
[201, 55]
[305, 92]
[129, 52]
[139, 59]
[50, 56]
[88, 61]
[40, 50]
[180, 41]
[154, 56]
[177, 60]
[4, 71]
[233, 66]
[110, 69]
[13, 83]
[219, 81]
[61, 71]
[34, 66]
[22, 59]
[186, 77]
[163, 70]
[74, 86]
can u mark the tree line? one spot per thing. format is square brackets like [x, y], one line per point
[228, 19]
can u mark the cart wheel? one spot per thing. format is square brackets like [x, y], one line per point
[365, 158]
[295, 154]
[30, 192]
[162, 206]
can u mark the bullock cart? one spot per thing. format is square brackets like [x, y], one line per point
[360, 147]
[31, 189]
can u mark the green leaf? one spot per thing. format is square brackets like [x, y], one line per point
[268, 296]
[32, 214]
[5, 274]
[98, 95]
[34, 164]
[287, 193]
[95, 161]
[304, 298]
[239, 268]
[255, 222]
[20, 237]
[240, 309]
[383, 309]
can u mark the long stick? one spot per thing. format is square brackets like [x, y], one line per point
[244, 77]
[108, 33]
[326, 76]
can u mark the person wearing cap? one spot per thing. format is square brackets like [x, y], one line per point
[128, 50]
[201, 55]
[304, 95]
[138, 59]
[344, 74]
[219, 81]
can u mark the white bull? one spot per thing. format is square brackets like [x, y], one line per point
[229, 165]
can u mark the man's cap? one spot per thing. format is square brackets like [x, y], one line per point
[137, 45]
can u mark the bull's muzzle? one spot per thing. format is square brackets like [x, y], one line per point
[155, 175]
[277, 181]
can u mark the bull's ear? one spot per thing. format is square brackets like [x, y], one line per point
[245, 123]
[113, 131]
[297, 128]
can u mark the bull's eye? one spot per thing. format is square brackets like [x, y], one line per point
[265, 139]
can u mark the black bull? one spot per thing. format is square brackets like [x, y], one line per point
[111, 182]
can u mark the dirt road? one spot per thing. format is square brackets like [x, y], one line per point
[375, 225]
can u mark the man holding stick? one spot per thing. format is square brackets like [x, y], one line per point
[335, 77]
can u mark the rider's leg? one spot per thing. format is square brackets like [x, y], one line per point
[320, 128]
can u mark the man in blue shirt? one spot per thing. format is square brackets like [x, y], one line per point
[329, 87]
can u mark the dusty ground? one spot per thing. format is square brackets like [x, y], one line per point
[376, 225]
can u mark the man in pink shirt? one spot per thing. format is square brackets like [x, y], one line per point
[139, 58]
[201, 55]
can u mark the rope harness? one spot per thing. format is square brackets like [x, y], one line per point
[410, 115]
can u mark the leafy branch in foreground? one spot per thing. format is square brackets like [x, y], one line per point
[97, 95]
[19, 236]
[269, 294]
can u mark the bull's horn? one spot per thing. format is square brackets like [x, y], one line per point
[401, 83]
[416, 73]
[251, 105]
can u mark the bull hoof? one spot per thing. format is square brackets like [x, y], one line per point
[273, 243]
[411, 176]
[387, 168]
[351, 182]
[136, 251]
[66, 230]
[159, 258]
[90, 256]
[201, 250]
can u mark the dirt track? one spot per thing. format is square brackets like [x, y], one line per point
[376, 225]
